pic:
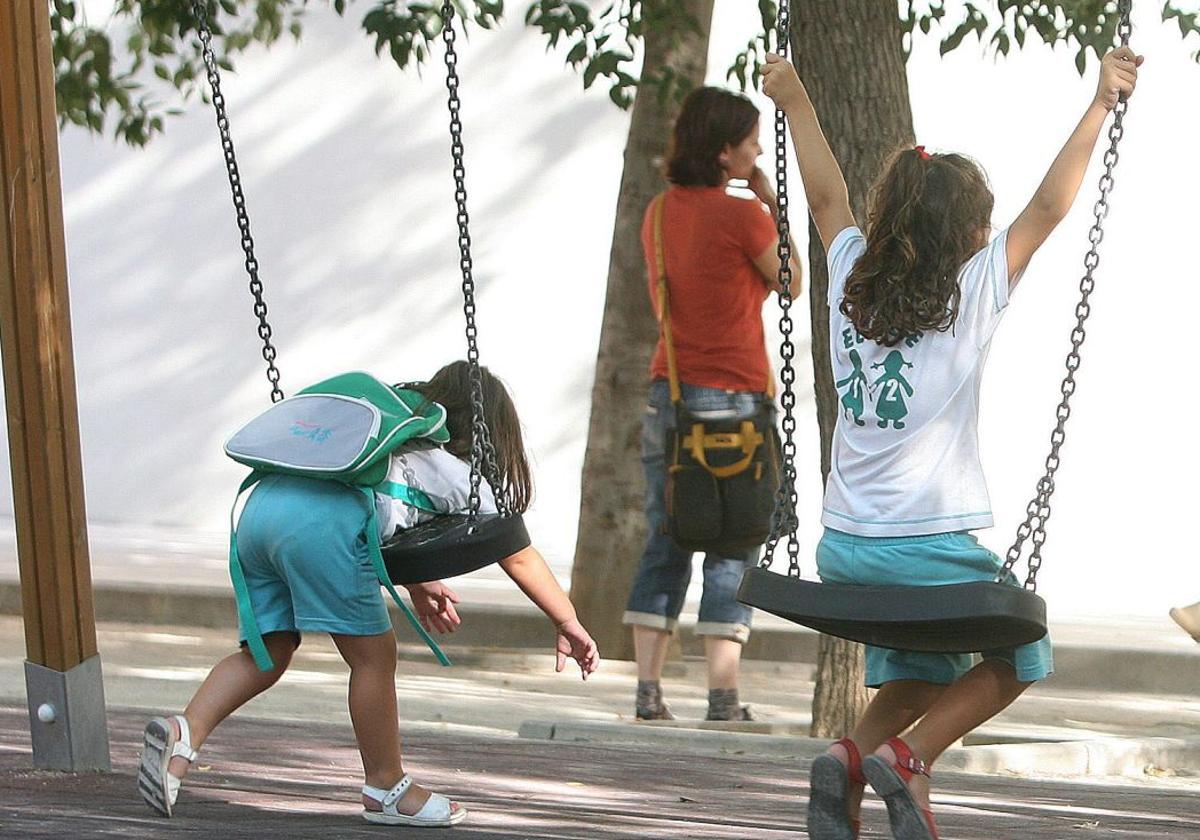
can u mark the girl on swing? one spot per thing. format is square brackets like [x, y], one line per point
[304, 553]
[922, 291]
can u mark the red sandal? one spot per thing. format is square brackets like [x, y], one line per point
[829, 794]
[909, 821]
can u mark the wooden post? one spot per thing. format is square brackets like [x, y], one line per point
[63, 679]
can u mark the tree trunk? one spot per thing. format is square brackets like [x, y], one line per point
[612, 528]
[850, 55]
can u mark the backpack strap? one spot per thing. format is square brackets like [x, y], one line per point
[254, 639]
[411, 496]
[381, 572]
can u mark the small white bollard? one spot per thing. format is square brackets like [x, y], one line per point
[46, 713]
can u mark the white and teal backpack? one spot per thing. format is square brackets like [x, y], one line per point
[341, 429]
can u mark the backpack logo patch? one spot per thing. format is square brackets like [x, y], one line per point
[313, 431]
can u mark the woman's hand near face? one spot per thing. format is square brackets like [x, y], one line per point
[761, 186]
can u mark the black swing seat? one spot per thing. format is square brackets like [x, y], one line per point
[955, 618]
[448, 546]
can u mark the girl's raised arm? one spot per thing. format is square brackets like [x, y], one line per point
[824, 185]
[1049, 205]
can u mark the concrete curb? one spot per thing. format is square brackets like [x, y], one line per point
[1106, 757]
[1078, 667]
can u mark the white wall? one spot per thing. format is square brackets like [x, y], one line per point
[346, 168]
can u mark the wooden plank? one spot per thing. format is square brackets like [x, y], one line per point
[36, 342]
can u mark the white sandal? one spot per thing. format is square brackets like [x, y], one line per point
[435, 813]
[159, 745]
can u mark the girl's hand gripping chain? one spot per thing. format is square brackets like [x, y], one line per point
[1118, 77]
[781, 83]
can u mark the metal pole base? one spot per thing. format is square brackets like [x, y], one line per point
[67, 718]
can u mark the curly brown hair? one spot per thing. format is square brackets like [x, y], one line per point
[927, 214]
[451, 387]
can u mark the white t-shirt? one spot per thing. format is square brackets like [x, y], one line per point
[444, 478]
[906, 444]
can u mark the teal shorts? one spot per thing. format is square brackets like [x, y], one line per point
[926, 560]
[303, 549]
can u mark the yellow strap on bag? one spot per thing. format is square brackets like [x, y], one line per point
[748, 440]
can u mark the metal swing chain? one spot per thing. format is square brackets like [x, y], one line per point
[483, 453]
[200, 9]
[784, 520]
[1037, 513]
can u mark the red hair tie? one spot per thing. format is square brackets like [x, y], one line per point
[921, 151]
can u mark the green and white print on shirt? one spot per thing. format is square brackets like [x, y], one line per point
[888, 391]
[905, 449]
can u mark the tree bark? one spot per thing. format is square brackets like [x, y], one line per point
[850, 55]
[612, 528]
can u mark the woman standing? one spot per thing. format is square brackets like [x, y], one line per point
[721, 257]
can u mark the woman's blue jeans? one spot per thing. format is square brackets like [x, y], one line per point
[661, 583]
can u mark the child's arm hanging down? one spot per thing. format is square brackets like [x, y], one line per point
[529, 571]
[824, 184]
[1049, 205]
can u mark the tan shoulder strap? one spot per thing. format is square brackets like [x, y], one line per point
[664, 310]
[664, 307]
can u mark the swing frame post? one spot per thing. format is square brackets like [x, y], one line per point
[64, 684]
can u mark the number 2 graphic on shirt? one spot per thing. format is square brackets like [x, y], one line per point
[891, 406]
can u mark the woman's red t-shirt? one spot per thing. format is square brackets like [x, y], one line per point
[710, 240]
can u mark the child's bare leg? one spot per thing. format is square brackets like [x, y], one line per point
[373, 713]
[895, 707]
[230, 685]
[976, 697]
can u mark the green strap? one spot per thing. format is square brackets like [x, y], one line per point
[411, 496]
[381, 573]
[254, 639]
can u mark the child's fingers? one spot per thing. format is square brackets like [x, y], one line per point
[1124, 52]
[451, 595]
[451, 613]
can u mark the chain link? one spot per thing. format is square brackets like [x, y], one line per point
[200, 9]
[483, 453]
[784, 520]
[1037, 513]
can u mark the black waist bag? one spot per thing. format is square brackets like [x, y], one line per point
[722, 477]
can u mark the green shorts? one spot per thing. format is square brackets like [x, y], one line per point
[926, 560]
[303, 549]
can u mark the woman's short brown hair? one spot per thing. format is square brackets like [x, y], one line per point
[710, 120]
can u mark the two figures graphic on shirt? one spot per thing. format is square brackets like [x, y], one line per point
[888, 390]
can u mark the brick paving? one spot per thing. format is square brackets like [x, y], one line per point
[259, 779]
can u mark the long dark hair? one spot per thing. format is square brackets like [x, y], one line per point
[710, 119]
[451, 387]
[927, 214]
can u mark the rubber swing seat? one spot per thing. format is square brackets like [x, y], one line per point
[954, 618]
[448, 546]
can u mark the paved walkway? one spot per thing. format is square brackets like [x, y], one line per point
[494, 693]
[287, 780]
[286, 765]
